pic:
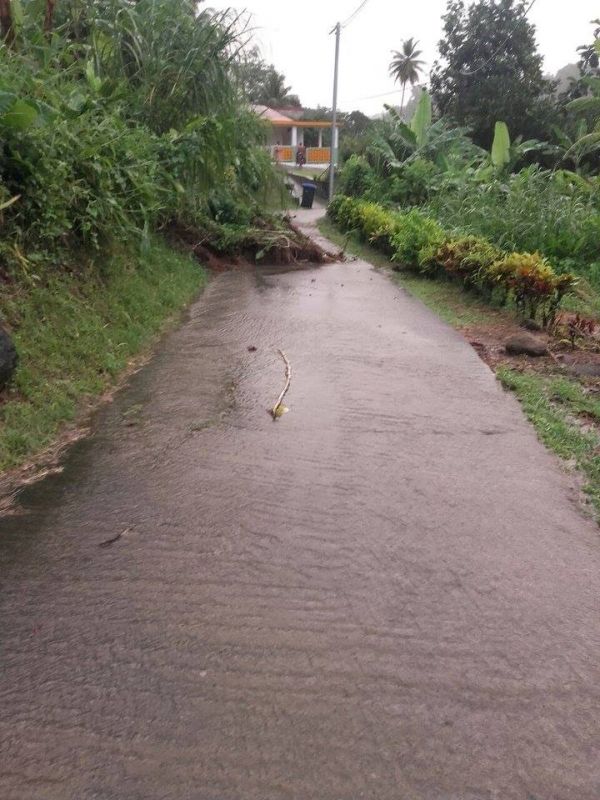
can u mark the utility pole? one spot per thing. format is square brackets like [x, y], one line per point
[333, 151]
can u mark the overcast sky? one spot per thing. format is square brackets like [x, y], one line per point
[294, 37]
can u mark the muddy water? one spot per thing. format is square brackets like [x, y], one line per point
[388, 593]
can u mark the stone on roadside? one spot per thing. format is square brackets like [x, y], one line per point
[531, 325]
[8, 358]
[585, 370]
[524, 344]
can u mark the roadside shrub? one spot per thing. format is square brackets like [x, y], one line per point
[348, 213]
[532, 211]
[413, 184]
[334, 207]
[413, 235]
[533, 284]
[82, 181]
[356, 177]
[416, 241]
[341, 210]
[377, 225]
[225, 210]
[466, 259]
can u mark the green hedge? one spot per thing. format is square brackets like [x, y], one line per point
[414, 241]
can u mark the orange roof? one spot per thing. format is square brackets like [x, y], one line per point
[273, 116]
[279, 120]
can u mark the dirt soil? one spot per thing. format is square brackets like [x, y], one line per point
[387, 593]
[489, 338]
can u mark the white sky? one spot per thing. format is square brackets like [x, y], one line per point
[294, 37]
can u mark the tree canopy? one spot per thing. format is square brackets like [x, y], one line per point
[489, 69]
[264, 84]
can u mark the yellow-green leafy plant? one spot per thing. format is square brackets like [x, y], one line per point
[377, 225]
[414, 235]
[465, 259]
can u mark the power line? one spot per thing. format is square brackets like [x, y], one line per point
[374, 96]
[467, 73]
[354, 14]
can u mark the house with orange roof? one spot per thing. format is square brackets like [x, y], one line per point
[286, 133]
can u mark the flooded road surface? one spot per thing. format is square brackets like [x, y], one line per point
[389, 593]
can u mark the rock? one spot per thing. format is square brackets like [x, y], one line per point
[8, 358]
[531, 325]
[524, 344]
[589, 370]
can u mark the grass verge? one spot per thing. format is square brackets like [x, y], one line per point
[556, 407]
[564, 412]
[77, 331]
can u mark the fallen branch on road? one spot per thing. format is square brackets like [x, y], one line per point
[278, 409]
[113, 539]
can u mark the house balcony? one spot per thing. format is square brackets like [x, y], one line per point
[286, 154]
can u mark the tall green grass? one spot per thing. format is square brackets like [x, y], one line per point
[75, 333]
[127, 117]
[118, 121]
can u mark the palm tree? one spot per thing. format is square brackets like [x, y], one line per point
[406, 66]
[275, 93]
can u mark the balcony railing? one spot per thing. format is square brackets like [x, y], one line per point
[287, 155]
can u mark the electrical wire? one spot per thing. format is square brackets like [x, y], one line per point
[375, 96]
[354, 14]
[468, 73]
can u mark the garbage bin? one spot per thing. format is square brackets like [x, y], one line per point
[308, 194]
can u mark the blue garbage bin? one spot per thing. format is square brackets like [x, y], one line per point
[308, 194]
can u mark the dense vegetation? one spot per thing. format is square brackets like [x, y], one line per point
[118, 121]
[121, 119]
[538, 196]
[415, 241]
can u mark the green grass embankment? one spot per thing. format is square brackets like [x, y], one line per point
[77, 332]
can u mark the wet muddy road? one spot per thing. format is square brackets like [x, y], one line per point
[387, 594]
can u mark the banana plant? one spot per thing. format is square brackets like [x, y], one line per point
[505, 155]
[587, 140]
[422, 118]
[398, 144]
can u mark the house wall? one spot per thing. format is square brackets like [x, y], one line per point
[282, 136]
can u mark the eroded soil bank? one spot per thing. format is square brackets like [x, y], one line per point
[389, 592]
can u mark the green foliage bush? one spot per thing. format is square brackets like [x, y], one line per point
[467, 259]
[532, 282]
[376, 225]
[414, 233]
[533, 211]
[129, 117]
[413, 184]
[81, 181]
[356, 177]
[416, 241]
